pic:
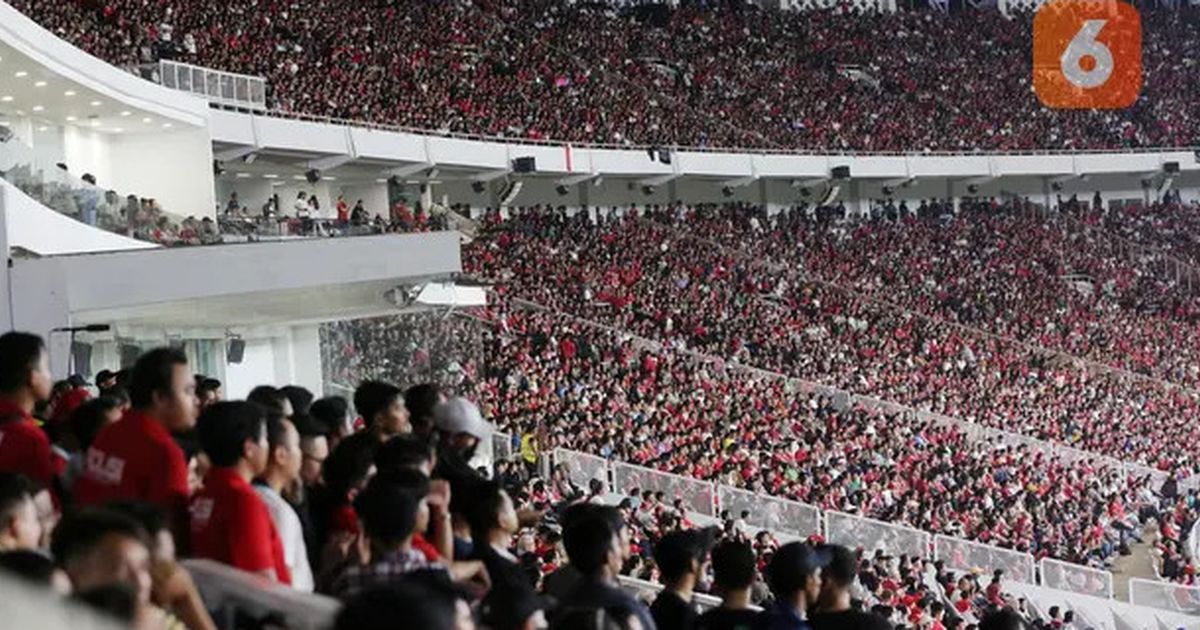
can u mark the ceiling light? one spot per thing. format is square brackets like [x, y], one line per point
[381, 181]
[43, 129]
[166, 125]
[6, 99]
[126, 113]
[69, 93]
[70, 119]
[21, 74]
[38, 108]
[270, 176]
[118, 130]
[147, 120]
[95, 123]
[329, 178]
[242, 175]
[298, 178]
[95, 103]
[40, 84]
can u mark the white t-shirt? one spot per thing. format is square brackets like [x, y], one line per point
[287, 523]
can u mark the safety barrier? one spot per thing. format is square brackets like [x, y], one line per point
[1165, 596]
[582, 468]
[697, 496]
[1065, 576]
[965, 555]
[647, 591]
[220, 88]
[778, 515]
[873, 536]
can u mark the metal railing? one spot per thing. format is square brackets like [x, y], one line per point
[1165, 596]
[965, 555]
[820, 151]
[874, 536]
[227, 89]
[785, 518]
[698, 496]
[1065, 576]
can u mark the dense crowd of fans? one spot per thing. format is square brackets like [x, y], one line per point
[649, 279]
[101, 496]
[909, 81]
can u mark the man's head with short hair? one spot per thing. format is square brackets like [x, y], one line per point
[93, 415]
[162, 386]
[381, 406]
[420, 401]
[284, 457]
[490, 510]
[153, 520]
[405, 452]
[1003, 619]
[592, 542]
[24, 366]
[19, 524]
[332, 412]
[300, 398]
[234, 434]
[734, 566]
[208, 390]
[314, 447]
[683, 553]
[272, 399]
[794, 573]
[98, 547]
[390, 511]
[423, 599]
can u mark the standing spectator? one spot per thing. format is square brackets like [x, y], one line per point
[20, 528]
[834, 610]
[734, 566]
[794, 575]
[682, 557]
[25, 381]
[493, 522]
[381, 406]
[420, 400]
[208, 391]
[85, 423]
[343, 211]
[594, 548]
[136, 458]
[283, 471]
[230, 523]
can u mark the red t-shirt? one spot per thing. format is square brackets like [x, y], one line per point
[231, 524]
[420, 543]
[135, 458]
[24, 447]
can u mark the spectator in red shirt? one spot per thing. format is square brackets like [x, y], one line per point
[230, 522]
[24, 382]
[20, 528]
[136, 458]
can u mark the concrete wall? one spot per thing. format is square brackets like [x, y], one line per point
[43, 231]
[175, 168]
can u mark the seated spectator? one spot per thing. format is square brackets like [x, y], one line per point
[86, 422]
[734, 568]
[794, 575]
[230, 523]
[136, 458]
[282, 473]
[25, 381]
[594, 549]
[682, 559]
[834, 610]
[20, 529]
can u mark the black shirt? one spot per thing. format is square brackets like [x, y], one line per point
[848, 620]
[725, 619]
[670, 612]
[593, 594]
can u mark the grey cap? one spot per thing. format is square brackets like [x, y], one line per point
[459, 415]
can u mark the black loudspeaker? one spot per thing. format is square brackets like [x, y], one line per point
[81, 357]
[313, 176]
[524, 165]
[478, 187]
[840, 172]
[664, 156]
[235, 351]
[129, 355]
[1170, 168]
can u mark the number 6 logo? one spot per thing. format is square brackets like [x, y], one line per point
[1087, 54]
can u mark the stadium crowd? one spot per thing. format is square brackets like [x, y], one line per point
[586, 72]
[101, 496]
[646, 278]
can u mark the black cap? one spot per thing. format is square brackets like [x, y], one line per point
[676, 551]
[792, 564]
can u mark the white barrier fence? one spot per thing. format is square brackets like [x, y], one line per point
[647, 591]
[697, 496]
[787, 518]
[872, 536]
[965, 555]
[219, 87]
[1065, 576]
[1166, 596]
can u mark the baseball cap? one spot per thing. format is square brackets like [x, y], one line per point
[675, 552]
[459, 415]
[792, 564]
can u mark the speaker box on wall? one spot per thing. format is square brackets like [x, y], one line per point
[129, 355]
[81, 357]
[524, 165]
[235, 351]
[840, 172]
[1171, 167]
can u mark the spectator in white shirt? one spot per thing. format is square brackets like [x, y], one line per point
[283, 471]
